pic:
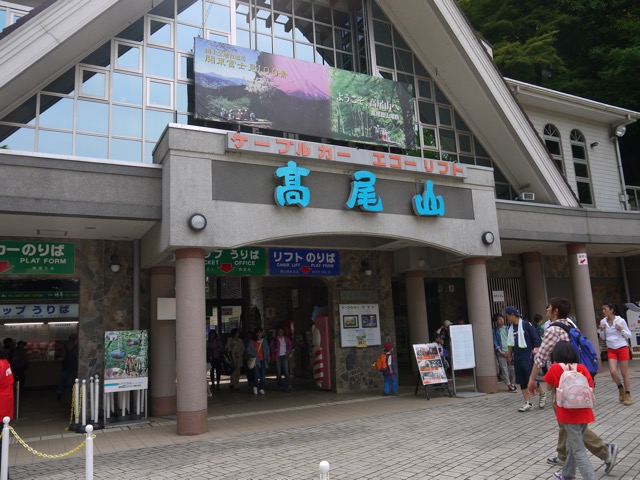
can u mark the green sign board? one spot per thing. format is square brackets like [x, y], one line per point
[237, 261]
[39, 295]
[37, 258]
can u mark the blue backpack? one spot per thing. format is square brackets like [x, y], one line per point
[586, 353]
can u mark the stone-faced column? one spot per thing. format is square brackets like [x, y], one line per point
[416, 311]
[535, 285]
[475, 280]
[191, 342]
[162, 368]
[582, 294]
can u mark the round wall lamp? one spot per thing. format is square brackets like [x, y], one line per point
[488, 238]
[114, 263]
[620, 130]
[197, 222]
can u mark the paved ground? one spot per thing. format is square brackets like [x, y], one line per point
[285, 436]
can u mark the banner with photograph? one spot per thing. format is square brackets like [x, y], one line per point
[430, 364]
[263, 90]
[126, 360]
[360, 325]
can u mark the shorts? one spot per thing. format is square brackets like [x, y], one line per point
[523, 367]
[620, 354]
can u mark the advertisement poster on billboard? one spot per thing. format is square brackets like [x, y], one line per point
[125, 360]
[430, 364]
[263, 90]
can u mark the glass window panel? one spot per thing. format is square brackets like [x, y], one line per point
[427, 113]
[65, 83]
[264, 43]
[94, 83]
[464, 141]
[55, 142]
[160, 32]
[100, 57]
[408, 79]
[128, 57]
[190, 11]
[159, 62]
[480, 152]
[242, 15]
[424, 88]
[341, 19]
[25, 113]
[126, 121]
[126, 88]
[283, 26]
[3, 19]
[503, 192]
[584, 193]
[440, 98]
[92, 117]
[156, 123]
[483, 162]
[559, 165]
[160, 94]
[499, 177]
[420, 70]
[578, 152]
[447, 140]
[186, 67]
[304, 31]
[384, 56]
[283, 47]
[148, 151]
[429, 135]
[449, 157]
[127, 150]
[382, 32]
[343, 40]
[218, 37]
[322, 14]
[460, 125]
[344, 61]
[445, 116]
[92, 146]
[398, 42]
[263, 21]
[219, 17]
[184, 37]
[387, 75]
[581, 170]
[467, 160]
[432, 155]
[164, 9]
[305, 52]
[553, 147]
[324, 57]
[324, 36]
[56, 112]
[377, 13]
[185, 97]
[134, 32]
[243, 39]
[20, 139]
[404, 61]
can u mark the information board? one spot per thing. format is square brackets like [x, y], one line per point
[430, 364]
[359, 325]
[462, 351]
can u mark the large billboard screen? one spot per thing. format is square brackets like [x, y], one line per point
[236, 84]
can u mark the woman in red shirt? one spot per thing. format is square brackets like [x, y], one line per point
[575, 420]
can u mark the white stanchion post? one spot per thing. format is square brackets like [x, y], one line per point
[88, 453]
[96, 416]
[92, 398]
[76, 393]
[4, 468]
[84, 402]
[324, 470]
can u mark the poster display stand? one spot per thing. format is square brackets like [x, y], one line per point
[431, 371]
[462, 353]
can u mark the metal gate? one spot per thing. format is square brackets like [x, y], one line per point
[504, 292]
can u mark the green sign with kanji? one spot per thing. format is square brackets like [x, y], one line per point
[37, 258]
[236, 261]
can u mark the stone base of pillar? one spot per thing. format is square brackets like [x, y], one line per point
[487, 384]
[161, 406]
[192, 423]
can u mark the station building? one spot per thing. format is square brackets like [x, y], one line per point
[116, 196]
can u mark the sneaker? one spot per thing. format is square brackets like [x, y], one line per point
[558, 476]
[526, 407]
[255, 390]
[610, 462]
[555, 461]
[543, 400]
[261, 392]
[512, 388]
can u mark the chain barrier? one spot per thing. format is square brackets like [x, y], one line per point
[73, 404]
[46, 455]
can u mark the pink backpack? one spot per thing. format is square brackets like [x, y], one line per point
[573, 390]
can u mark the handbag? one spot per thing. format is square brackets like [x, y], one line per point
[251, 363]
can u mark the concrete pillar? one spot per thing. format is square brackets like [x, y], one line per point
[162, 352]
[479, 308]
[582, 294]
[534, 280]
[191, 342]
[416, 311]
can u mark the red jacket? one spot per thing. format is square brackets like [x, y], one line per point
[6, 390]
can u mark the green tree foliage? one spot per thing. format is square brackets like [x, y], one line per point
[589, 48]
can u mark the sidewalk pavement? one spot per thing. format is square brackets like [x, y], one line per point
[282, 436]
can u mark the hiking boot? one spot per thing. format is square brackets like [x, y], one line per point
[621, 393]
[610, 462]
[555, 461]
[627, 399]
[526, 407]
[543, 400]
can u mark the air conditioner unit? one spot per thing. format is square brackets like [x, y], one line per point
[528, 196]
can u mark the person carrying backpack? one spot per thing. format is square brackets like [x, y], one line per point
[390, 374]
[574, 407]
[558, 311]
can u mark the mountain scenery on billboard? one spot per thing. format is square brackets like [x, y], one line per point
[239, 85]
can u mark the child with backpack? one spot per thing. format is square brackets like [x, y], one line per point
[574, 407]
[387, 366]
